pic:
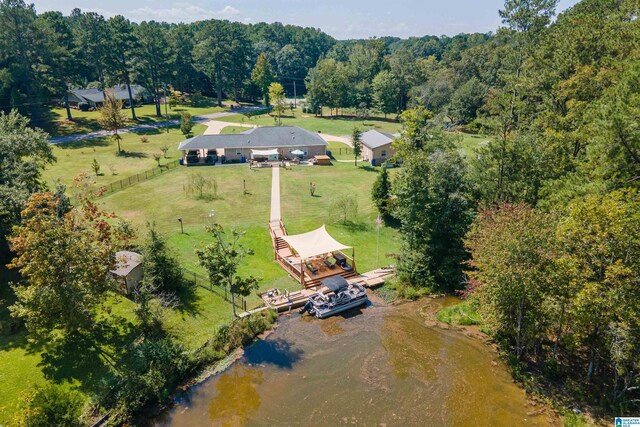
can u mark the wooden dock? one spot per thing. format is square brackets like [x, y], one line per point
[283, 302]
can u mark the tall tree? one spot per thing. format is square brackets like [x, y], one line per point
[61, 55]
[24, 152]
[213, 53]
[123, 45]
[277, 96]
[262, 76]
[356, 143]
[89, 32]
[66, 261]
[152, 58]
[386, 93]
[21, 57]
[222, 258]
[381, 193]
[111, 117]
[432, 205]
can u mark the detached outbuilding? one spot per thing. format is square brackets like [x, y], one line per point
[128, 271]
[377, 146]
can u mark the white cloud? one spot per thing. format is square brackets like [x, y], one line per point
[181, 13]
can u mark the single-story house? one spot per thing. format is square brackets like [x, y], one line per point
[269, 143]
[376, 146]
[128, 272]
[85, 99]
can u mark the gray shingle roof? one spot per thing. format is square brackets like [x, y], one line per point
[262, 137]
[373, 139]
[96, 95]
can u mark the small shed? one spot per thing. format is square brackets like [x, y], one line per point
[323, 160]
[128, 270]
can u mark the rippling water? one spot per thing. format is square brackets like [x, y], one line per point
[375, 366]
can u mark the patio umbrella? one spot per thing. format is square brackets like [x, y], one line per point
[297, 153]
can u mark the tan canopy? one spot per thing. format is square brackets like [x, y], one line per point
[314, 243]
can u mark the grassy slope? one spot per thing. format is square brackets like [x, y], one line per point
[163, 200]
[339, 125]
[87, 121]
[76, 157]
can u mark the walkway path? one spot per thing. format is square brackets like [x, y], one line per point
[198, 119]
[275, 195]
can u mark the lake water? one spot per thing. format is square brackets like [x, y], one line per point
[382, 365]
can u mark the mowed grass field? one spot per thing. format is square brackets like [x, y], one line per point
[76, 157]
[87, 121]
[164, 199]
[331, 125]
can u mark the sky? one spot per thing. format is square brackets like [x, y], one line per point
[343, 19]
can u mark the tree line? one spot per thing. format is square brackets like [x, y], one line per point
[539, 228]
[43, 55]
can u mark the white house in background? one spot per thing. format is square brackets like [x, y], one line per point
[128, 272]
[376, 146]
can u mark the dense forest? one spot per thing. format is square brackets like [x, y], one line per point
[539, 229]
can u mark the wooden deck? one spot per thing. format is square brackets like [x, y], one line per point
[295, 266]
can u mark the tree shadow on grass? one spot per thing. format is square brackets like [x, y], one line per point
[102, 141]
[355, 226]
[88, 357]
[133, 154]
[369, 168]
[188, 298]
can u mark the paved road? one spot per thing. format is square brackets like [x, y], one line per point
[198, 119]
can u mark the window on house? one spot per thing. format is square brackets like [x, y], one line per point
[384, 153]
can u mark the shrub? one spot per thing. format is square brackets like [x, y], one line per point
[50, 406]
[144, 139]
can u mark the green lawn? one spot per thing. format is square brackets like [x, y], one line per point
[87, 121]
[470, 142]
[340, 150]
[163, 200]
[76, 157]
[338, 125]
[233, 130]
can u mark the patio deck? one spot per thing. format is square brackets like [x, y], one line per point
[295, 266]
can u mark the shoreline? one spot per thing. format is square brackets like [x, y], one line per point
[538, 404]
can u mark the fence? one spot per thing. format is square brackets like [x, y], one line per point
[140, 177]
[205, 283]
[341, 150]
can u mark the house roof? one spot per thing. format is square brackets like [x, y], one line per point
[125, 263]
[261, 137]
[373, 139]
[95, 95]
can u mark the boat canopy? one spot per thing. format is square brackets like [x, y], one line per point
[313, 243]
[335, 283]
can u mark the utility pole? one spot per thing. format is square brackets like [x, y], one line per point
[295, 97]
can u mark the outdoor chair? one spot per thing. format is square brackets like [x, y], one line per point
[329, 264]
[311, 268]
